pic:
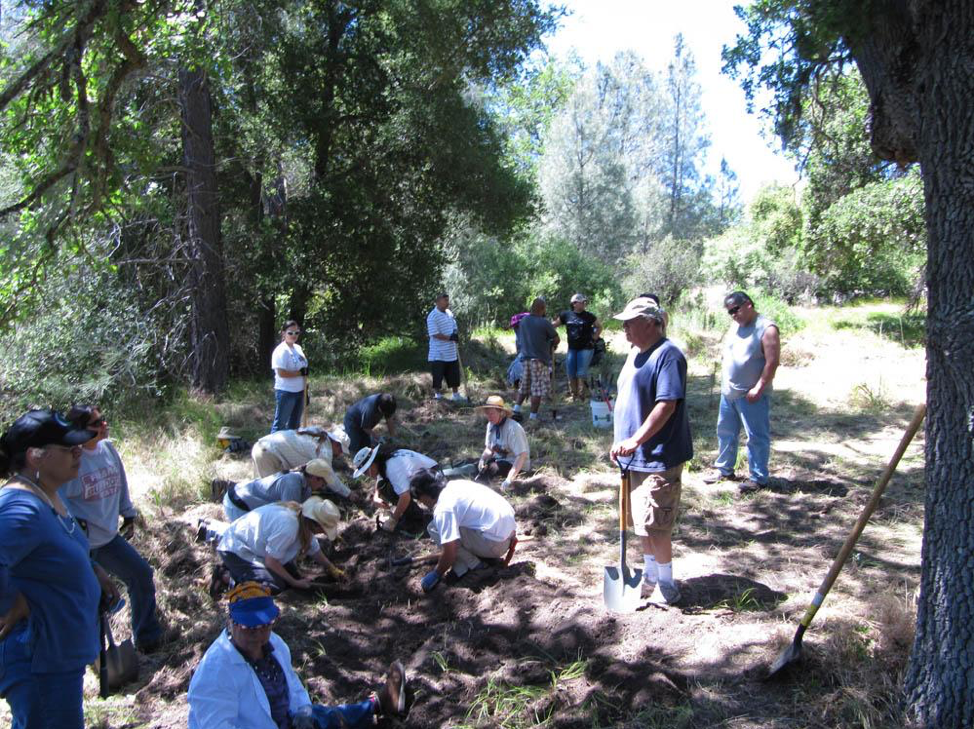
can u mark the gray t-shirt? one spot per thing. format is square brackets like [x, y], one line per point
[536, 334]
[743, 358]
[273, 488]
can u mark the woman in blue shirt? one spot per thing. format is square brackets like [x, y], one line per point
[49, 588]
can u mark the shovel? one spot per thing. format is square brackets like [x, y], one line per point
[117, 664]
[621, 585]
[792, 653]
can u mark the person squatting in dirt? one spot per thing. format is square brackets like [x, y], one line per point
[285, 450]
[444, 355]
[392, 468]
[264, 544]
[506, 450]
[297, 485]
[363, 416]
[652, 438]
[470, 522]
[538, 339]
[245, 679]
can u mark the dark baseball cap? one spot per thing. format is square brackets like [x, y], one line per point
[40, 428]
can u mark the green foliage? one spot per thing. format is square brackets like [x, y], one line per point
[670, 269]
[777, 311]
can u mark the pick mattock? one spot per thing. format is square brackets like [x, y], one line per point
[792, 653]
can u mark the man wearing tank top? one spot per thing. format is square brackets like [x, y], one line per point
[752, 349]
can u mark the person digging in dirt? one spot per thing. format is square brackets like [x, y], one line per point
[392, 468]
[652, 438]
[97, 498]
[297, 485]
[245, 679]
[470, 521]
[752, 350]
[506, 450]
[362, 417]
[538, 339]
[263, 545]
[444, 356]
[285, 450]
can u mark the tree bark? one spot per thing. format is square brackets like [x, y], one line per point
[208, 330]
[918, 64]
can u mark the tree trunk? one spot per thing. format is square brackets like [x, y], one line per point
[208, 330]
[940, 678]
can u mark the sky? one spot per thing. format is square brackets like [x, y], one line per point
[598, 29]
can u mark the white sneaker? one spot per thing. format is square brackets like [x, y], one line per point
[457, 397]
[647, 590]
[669, 593]
[437, 396]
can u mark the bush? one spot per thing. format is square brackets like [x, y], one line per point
[670, 268]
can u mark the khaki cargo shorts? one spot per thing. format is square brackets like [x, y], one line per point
[655, 499]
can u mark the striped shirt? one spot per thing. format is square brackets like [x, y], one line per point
[441, 322]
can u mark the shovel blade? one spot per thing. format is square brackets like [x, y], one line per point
[621, 588]
[123, 664]
[789, 656]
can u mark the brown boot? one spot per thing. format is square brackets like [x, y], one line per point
[392, 696]
[583, 393]
[573, 386]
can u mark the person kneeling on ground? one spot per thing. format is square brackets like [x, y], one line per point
[362, 417]
[263, 545]
[470, 521]
[285, 450]
[297, 485]
[506, 451]
[392, 468]
[245, 679]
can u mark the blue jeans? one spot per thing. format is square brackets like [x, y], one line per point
[120, 559]
[38, 700]
[756, 418]
[344, 715]
[577, 362]
[287, 414]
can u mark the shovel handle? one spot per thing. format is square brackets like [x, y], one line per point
[867, 511]
[623, 513]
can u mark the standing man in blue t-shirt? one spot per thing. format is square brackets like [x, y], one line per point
[752, 350]
[652, 438]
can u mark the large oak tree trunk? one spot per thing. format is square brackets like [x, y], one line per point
[940, 680]
[208, 330]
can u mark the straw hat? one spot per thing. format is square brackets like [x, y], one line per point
[363, 459]
[325, 513]
[496, 401]
[319, 467]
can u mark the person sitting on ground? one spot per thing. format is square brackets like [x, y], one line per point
[97, 498]
[285, 450]
[506, 450]
[246, 681]
[264, 544]
[297, 485]
[470, 521]
[392, 468]
[538, 340]
[362, 417]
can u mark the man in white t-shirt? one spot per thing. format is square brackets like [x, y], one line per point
[470, 521]
[443, 356]
[506, 450]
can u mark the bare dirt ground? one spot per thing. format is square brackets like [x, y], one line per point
[532, 645]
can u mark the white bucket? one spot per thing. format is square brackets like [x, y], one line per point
[601, 415]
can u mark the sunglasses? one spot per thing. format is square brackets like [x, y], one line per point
[734, 310]
[292, 334]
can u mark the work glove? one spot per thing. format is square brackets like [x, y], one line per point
[336, 573]
[455, 337]
[390, 524]
[127, 530]
[431, 580]
[506, 485]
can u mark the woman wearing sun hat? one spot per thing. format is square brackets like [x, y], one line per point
[246, 681]
[264, 544]
[391, 468]
[506, 450]
[50, 590]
